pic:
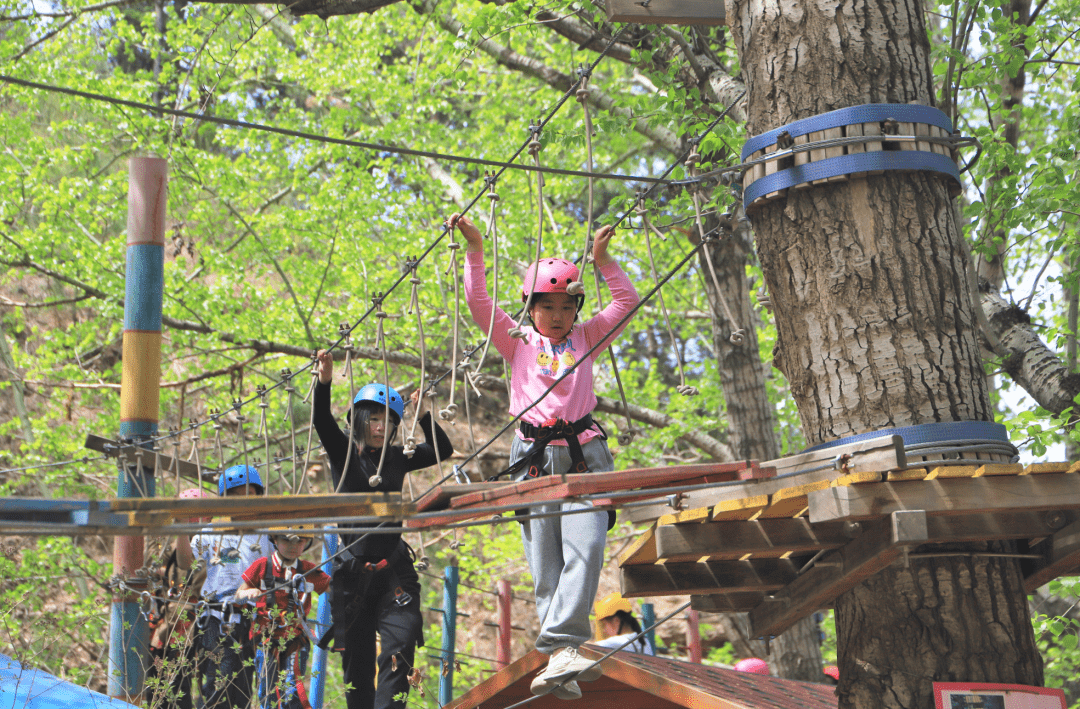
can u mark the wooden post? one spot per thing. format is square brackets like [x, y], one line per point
[449, 630]
[502, 655]
[129, 633]
[693, 636]
[322, 625]
[648, 619]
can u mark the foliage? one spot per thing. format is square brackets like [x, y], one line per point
[274, 240]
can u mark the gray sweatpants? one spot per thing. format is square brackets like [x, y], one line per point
[565, 553]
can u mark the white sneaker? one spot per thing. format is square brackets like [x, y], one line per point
[565, 664]
[567, 690]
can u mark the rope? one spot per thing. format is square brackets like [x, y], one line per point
[492, 234]
[738, 335]
[534, 150]
[683, 388]
[376, 147]
[381, 315]
[343, 330]
[414, 302]
[450, 412]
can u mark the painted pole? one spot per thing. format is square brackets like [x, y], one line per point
[502, 654]
[322, 625]
[129, 633]
[449, 631]
[693, 636]
[648, 619]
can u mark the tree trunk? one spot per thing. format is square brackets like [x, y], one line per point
[876, 329]
[796, 654]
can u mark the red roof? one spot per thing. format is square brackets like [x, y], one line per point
[633, 681]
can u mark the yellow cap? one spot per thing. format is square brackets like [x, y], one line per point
[610, 604]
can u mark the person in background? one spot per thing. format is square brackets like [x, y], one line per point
[616, 624]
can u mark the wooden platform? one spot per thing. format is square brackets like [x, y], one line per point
[462, 502]
[783, 548]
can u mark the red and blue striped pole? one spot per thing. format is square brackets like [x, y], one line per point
[129, 633]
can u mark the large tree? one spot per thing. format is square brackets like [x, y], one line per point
[877, 329]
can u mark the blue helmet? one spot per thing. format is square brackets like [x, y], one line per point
[377, 394]
[236, 476]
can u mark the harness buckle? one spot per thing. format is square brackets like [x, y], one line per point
[402, 597]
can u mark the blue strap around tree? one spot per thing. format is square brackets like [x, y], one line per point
[868, 113]
[929, 433]
[847, 164]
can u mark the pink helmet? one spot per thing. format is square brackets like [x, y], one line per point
[191, 493]
[552, 276]
[833, 671]
[752, 665]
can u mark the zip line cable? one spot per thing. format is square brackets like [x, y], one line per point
[315, 137]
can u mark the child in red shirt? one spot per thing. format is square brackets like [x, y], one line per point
[282, 585]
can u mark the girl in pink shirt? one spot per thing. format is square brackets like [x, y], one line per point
[556, 436]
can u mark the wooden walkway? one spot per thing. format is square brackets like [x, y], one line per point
[783, 548]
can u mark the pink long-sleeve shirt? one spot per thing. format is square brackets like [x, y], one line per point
[536, 363]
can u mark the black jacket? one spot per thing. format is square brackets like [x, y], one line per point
[363, 466]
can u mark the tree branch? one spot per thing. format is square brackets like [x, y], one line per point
[1027, 359]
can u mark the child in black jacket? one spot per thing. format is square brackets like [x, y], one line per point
[374, 586]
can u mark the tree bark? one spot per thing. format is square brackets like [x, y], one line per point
[876, 329]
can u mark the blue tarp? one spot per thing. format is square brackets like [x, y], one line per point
[34, 689]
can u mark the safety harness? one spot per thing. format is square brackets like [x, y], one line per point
[551, 430]
[345, 614]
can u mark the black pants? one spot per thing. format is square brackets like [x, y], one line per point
[227, 665]
[400, 628]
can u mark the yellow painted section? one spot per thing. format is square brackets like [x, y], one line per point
[902, 475]
[866, 476]
[992, 469]
[954, 471]
[700, 514]
[641, 551]
[1039, 468]
[141, 372]
[744, 509]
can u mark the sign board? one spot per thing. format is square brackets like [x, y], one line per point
[978, 695]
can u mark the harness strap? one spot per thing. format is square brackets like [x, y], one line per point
[551, 430]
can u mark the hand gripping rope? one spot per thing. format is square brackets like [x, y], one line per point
[414, 304]
[856, 141]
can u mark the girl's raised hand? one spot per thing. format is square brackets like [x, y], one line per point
[600, 244]
[474, 240]
[417, 401]
[324, 366]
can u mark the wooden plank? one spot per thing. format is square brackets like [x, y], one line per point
[642, 550]
[734, 540]
[873, 146]
[771, 168]
[744, 508]
[817, 154]
[438, 498]
[905, 129]
[701, 514]
[166, 463]
[1061, 558]
[897, 476]
[835, 152]
[727, 602]
[1050, 491]
[855, 131]
[838, 571]
[591, 483]
[953, 471]
[860, 478]
[667, 12]
[791, 501]
[994, 469]
[706, 577]
[1041, 468]
[872, 456]
[224, 506]
[938, 148]
[802, 158]
[923, 129]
